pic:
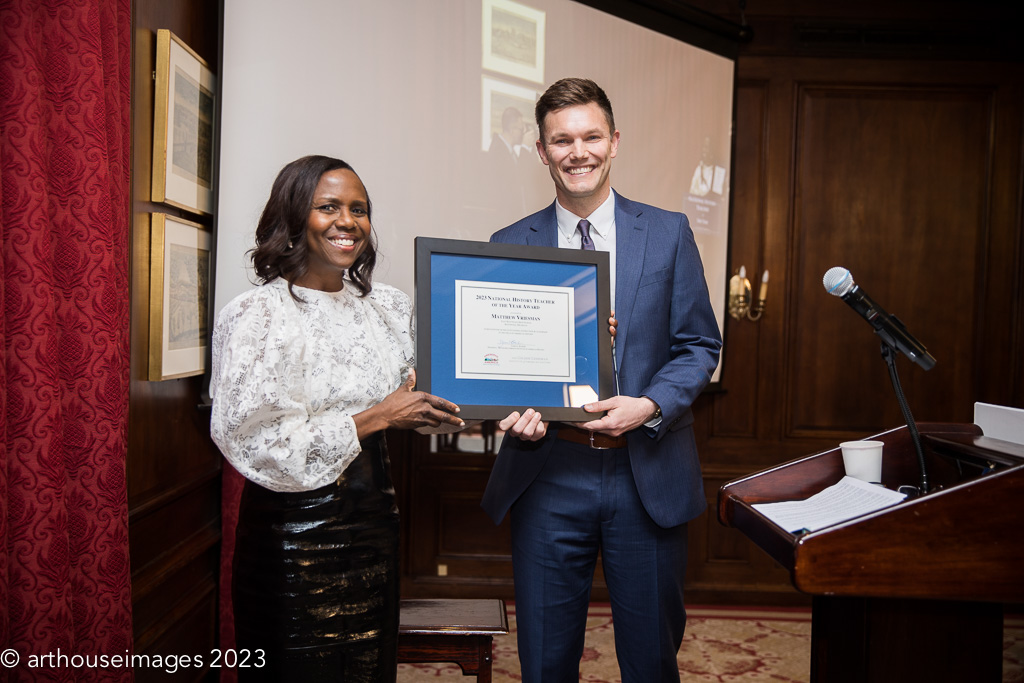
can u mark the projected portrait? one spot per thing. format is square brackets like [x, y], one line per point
[516, 178]
[501, 102]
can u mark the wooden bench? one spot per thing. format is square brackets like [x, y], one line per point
[458, 631]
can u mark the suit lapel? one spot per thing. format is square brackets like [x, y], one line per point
[543, 232]
[630, 243]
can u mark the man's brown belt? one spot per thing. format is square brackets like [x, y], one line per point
[567, 432]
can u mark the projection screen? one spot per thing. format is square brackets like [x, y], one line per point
[412, 93]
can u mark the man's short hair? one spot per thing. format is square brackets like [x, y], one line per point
[569, 92]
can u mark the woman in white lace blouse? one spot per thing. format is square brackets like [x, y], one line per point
[309, 369]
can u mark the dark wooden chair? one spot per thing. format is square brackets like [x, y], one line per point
[451, 630]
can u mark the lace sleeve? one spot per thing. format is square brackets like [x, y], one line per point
[396, 308]
[262, 419]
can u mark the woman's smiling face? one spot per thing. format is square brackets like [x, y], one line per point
[337, 230]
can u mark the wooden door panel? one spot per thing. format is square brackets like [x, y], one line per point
[890, 183]
[908, 173]
[748, 216]
[448, 493]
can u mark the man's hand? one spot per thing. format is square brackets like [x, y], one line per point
[528, 426]
[624, 413]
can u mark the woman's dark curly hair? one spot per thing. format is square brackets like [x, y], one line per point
[281, 249]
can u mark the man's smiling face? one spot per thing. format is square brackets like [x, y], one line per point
[578, 146]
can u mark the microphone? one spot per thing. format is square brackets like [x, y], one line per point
[839, 282]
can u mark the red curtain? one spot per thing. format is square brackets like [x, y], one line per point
[65, 85]
[231, 496]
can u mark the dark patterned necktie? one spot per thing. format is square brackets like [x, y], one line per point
[584, 227]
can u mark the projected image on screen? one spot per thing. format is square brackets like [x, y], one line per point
[431, 101]
[513, 39]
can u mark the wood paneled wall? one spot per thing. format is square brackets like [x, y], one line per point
[904, 168]
[907, 173]
[173, 468]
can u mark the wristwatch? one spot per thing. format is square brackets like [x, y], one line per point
[657, 412]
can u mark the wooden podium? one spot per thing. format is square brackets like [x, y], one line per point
[913, 592]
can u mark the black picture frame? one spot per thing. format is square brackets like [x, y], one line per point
[445, 267]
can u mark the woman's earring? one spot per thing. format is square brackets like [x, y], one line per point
[290, 245]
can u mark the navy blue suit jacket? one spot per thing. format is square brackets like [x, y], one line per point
[667, 345]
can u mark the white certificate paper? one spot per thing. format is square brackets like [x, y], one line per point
[514, 332]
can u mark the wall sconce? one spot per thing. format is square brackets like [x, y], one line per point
[739, 296]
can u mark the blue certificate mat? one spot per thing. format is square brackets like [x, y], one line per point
[503, 327]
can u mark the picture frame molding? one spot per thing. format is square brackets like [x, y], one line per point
[166, 186]
[164, 362]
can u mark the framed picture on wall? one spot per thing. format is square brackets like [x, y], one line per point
[513, 37]
[183, 117]
[179, 296]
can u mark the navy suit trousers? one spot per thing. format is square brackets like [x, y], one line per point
[584, 502]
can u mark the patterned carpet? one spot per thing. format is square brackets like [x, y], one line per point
[727, 645]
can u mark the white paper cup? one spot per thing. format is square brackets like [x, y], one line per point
[863, 460]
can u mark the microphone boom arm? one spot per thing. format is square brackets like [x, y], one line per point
[895, 339]
[890, 328]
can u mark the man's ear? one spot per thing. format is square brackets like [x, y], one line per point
[542, 153]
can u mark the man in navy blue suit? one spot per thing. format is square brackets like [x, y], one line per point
[624, 485]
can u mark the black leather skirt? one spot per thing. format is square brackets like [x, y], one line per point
[315, 578]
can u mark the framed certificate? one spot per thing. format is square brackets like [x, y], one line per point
[502, 327]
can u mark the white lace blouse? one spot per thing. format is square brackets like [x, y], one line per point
[288, 376]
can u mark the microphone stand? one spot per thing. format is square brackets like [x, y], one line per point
[889, 353]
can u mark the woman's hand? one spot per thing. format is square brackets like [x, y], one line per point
[405, 408]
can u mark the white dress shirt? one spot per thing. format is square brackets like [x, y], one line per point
[602, 232]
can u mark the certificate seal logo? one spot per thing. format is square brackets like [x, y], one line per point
[491, 359]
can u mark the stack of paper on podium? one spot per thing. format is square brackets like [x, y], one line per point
[848, 499]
